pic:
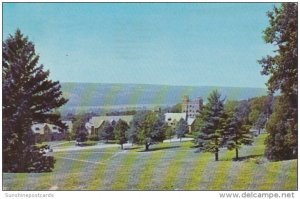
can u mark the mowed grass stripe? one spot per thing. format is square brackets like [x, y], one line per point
[93, 162]
[249, 167]
[271, 175]
[161, 169]
[8, 180]
[220, 175]
[27, 181]
[73, 180]
[98, 174]
[176, 165]
[258, 176]
[113, 165]
[19, 183]
[137, 169]
[49, 180]
[147, 173]
[196, 174]
[291, 180]
[282, 176]
[83, 165]
[245, 176]
[124, 171]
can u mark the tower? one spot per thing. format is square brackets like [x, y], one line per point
[185, 103]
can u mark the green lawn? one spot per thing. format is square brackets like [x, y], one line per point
[167, 166]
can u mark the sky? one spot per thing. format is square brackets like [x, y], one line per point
[192, 44]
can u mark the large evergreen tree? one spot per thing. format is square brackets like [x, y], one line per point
[213, 117]
[181, 128]
[282, 69]
[28, 97]
[237, 132]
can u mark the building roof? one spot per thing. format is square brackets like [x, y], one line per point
[174, 116]
[40, 128]
[97, 121]
[171, 117]
[190, 121]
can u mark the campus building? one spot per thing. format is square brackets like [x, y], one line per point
[190, 110]
[95, 123]
[192, 107]
[49, 132]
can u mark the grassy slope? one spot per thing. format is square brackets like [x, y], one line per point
[170, 166]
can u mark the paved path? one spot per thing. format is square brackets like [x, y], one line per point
[178, 140]
[56, 146]
[79, 148]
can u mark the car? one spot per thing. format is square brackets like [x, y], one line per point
[79, 142]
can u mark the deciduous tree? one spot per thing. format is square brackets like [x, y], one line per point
[120, 132]
[148, 128]
[282, 69]
[107, 131]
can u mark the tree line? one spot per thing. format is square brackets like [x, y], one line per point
[220, 124]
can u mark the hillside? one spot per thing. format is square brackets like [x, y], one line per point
[167, 166]
[91, 95]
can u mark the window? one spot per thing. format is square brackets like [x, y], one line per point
[37, 128]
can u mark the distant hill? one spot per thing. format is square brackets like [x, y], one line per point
[118, 96]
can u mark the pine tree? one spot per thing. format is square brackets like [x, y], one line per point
[237, 130]
[213, 117]
[181, 128]
[237, 133]
[28, 97]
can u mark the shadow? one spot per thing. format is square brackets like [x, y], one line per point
[247, 157]
[109, 142]
[198, 150]
[160, 148]
[194, 147]
[131, 148]
[254, 158]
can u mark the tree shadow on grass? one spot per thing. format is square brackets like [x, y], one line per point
[256, 158]
[160, 148]
[248, 157]
[131, 148]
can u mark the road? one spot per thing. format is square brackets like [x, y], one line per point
[79, 148]
[56, 146]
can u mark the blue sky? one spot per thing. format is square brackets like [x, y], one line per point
[198, 44]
